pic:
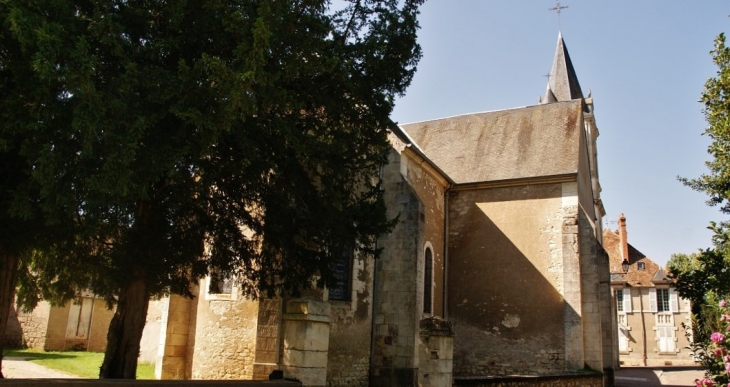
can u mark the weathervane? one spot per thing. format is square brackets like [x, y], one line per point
[558, 8]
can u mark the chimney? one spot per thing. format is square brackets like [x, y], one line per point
[623, 237]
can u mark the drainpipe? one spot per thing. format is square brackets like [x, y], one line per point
[444, 311]
[643, 328]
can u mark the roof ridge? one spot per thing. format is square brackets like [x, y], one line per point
[481, 112]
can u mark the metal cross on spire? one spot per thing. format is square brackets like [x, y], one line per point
[558, 8]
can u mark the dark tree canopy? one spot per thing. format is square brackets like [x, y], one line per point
[175, 137]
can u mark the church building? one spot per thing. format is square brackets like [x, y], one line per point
[496, 268]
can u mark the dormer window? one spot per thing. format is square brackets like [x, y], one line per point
[641, 265]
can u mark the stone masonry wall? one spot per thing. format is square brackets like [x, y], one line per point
[430, 194]
[348, 358]
[397, 312]
[592, 284]
[506, 280]
[268, 329]
[27, 330]
[225, 338]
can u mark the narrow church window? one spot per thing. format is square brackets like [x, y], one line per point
[340, 289]
[641, 265]
[428, 282]
[220, 283]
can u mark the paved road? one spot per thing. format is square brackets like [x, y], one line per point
[659, 376]
[20, 368]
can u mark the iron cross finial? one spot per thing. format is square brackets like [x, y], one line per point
[558, 7]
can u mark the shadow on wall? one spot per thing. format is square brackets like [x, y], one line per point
[508, 318]
[13, 337]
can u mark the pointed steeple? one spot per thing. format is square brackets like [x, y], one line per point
[563, 83]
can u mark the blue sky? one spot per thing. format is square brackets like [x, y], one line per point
[645, 63]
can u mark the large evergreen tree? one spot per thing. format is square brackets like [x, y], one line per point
[178, 137]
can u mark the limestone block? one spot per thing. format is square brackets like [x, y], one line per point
[306, 341]
[308, 306]
[309, 377]
[438, 380]
[442, 367]
[305, 336]
[308, 359]
[403, 362]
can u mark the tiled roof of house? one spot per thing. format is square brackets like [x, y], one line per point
[533, 141]
[635, 276]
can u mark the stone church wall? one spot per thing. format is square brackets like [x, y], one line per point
[430, 194]
[396, 300]
[506, 279]
[225, 337]
[592, 277]
[348, 358]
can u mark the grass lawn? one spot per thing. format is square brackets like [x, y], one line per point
[79, 363]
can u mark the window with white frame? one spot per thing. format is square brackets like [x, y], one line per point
[663, 300]
[623, 300]
[619, 295]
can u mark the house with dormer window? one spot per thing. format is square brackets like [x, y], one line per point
[649, 311]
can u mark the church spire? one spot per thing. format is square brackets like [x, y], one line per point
[563, 83]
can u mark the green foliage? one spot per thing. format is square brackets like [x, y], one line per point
[717, 113]
[704, 277]
[253, 128]
[164, 139]
[701, 277]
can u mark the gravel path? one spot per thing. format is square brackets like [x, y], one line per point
[21, 368]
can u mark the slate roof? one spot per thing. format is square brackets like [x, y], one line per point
[533, 141]
[635, 277]
[563, 82]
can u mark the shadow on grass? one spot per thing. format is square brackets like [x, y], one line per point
[33, 355]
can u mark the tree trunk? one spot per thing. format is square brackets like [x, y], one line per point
[125, 330]
[8, 277]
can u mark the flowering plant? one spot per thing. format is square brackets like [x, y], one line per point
[716, 357]
[704, 383]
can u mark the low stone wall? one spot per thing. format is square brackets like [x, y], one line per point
[147, 383]
[569, 380]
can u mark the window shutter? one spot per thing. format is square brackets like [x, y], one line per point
[673, 301]
[627, 300]
[652, 300]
